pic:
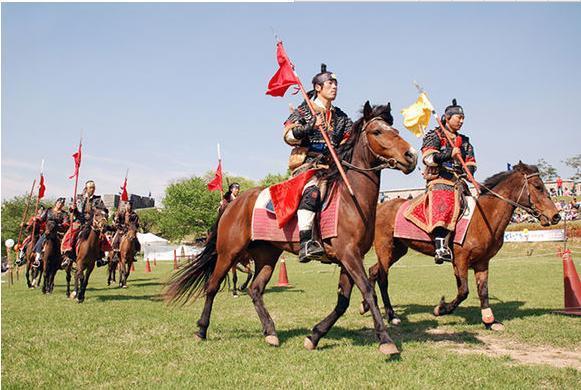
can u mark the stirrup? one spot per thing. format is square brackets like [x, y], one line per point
[442, 255]
[312, 250]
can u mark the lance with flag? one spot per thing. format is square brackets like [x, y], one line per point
[41, 189]
[216, 183]
[283, 79]
[416, 118]
[124, 194]
[77, 159]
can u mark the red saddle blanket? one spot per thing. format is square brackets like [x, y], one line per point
[265, 225]
[70, 241]
[407, 229]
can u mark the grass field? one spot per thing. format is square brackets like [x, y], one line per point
[130, 338]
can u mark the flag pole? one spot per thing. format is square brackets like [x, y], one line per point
[220, 164]
[445, 131]
[25, 214]
[37, 201]
[76, 180]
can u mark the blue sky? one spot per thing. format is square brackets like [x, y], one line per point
[155, 86]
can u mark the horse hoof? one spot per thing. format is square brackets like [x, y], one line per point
[123, 286]
[362, 309]
[72, 295]
[395, 321]
[497, 327]
[235, 296]
[437, 311]
[309, 345]
[197, 337]
[272, 340]
[388, 349]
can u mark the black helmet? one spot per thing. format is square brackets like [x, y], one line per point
[233, 186]
[323, 76]
[454, 109]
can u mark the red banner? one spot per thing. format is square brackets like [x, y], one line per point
[216, 183]
[41, 187]
[285, 75]
[124, 195]
[77, 158]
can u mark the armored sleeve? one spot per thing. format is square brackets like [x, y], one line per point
[345, 124]
[430, 147]
[298, 125]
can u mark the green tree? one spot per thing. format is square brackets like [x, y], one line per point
[149, 220]
[575, 163]
[188, 207]
[547, 171]
[274, 178]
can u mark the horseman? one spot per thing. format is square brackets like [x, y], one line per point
[444, 176]
[61, 220]
[124, 219]
[83, 211]
[33, 222]
[301, 130]
[229, 196]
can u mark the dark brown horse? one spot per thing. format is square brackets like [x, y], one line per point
[31, 270]
[51, 256]
[127, 251]
[373, 145]
[520, 187]
[88, 251]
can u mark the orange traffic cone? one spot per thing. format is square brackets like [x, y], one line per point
[282, 275]
[572, 286]
[132, 267]
[147, 266]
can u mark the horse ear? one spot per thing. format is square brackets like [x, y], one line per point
[367, 110]
[388, 108]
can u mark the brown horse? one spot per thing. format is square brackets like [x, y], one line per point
[373, 145]
[51, 256]
[31, 270]
[88, 251]
[521, 187]
[127, 251]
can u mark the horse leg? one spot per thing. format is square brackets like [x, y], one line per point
[28, 266]
[234, 281]
[127, 274]
[79, 278]
[399, 250]
[86, 281]
[248, 279]
[265, 259]
[109, 269]
[223, 265]
[374, 271]
[343, 297]
[481, 276]
[461, 274]
[68, 270]
[354, 265]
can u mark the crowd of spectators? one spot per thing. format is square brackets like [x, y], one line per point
[568, 210]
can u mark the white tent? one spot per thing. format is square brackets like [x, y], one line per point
[150, 239]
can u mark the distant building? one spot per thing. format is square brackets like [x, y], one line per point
[139, 202]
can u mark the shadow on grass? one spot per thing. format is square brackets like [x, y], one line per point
[150, 297]
[503, 311]
[290, 289]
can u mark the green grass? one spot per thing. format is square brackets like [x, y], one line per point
[129, 338]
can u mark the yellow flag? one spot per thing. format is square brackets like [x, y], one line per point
[417, 116]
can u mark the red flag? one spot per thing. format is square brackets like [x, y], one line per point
[216, 183]
[41, 187]
[284, 77]
[286, 196]
[77, 158]
[124, 195]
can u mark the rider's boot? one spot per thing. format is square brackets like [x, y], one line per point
[310, 249]
[37, 257]
[102, 261]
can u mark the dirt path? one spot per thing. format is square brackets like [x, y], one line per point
[495, 346]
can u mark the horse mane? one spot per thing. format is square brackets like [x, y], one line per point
[498, 178]
[345, 151]
[85, 231]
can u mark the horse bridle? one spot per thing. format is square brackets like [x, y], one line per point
[390, 163]
[531, 209]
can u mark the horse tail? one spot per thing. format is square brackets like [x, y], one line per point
[191, 280]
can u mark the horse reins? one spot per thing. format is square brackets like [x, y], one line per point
[531, 210]
[390, 163]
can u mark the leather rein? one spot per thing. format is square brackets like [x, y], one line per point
[529, 209]
[390, 163]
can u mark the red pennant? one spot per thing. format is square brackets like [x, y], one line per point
[216, 183]
[286, 196]
[77, 158]
[41, 187]
[284, 77]
[124, 195]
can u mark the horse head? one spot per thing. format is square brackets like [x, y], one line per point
[385, 145]
[534, 195]
[99, 221]
[51, 230]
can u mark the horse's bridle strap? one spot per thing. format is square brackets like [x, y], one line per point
[531, 210]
